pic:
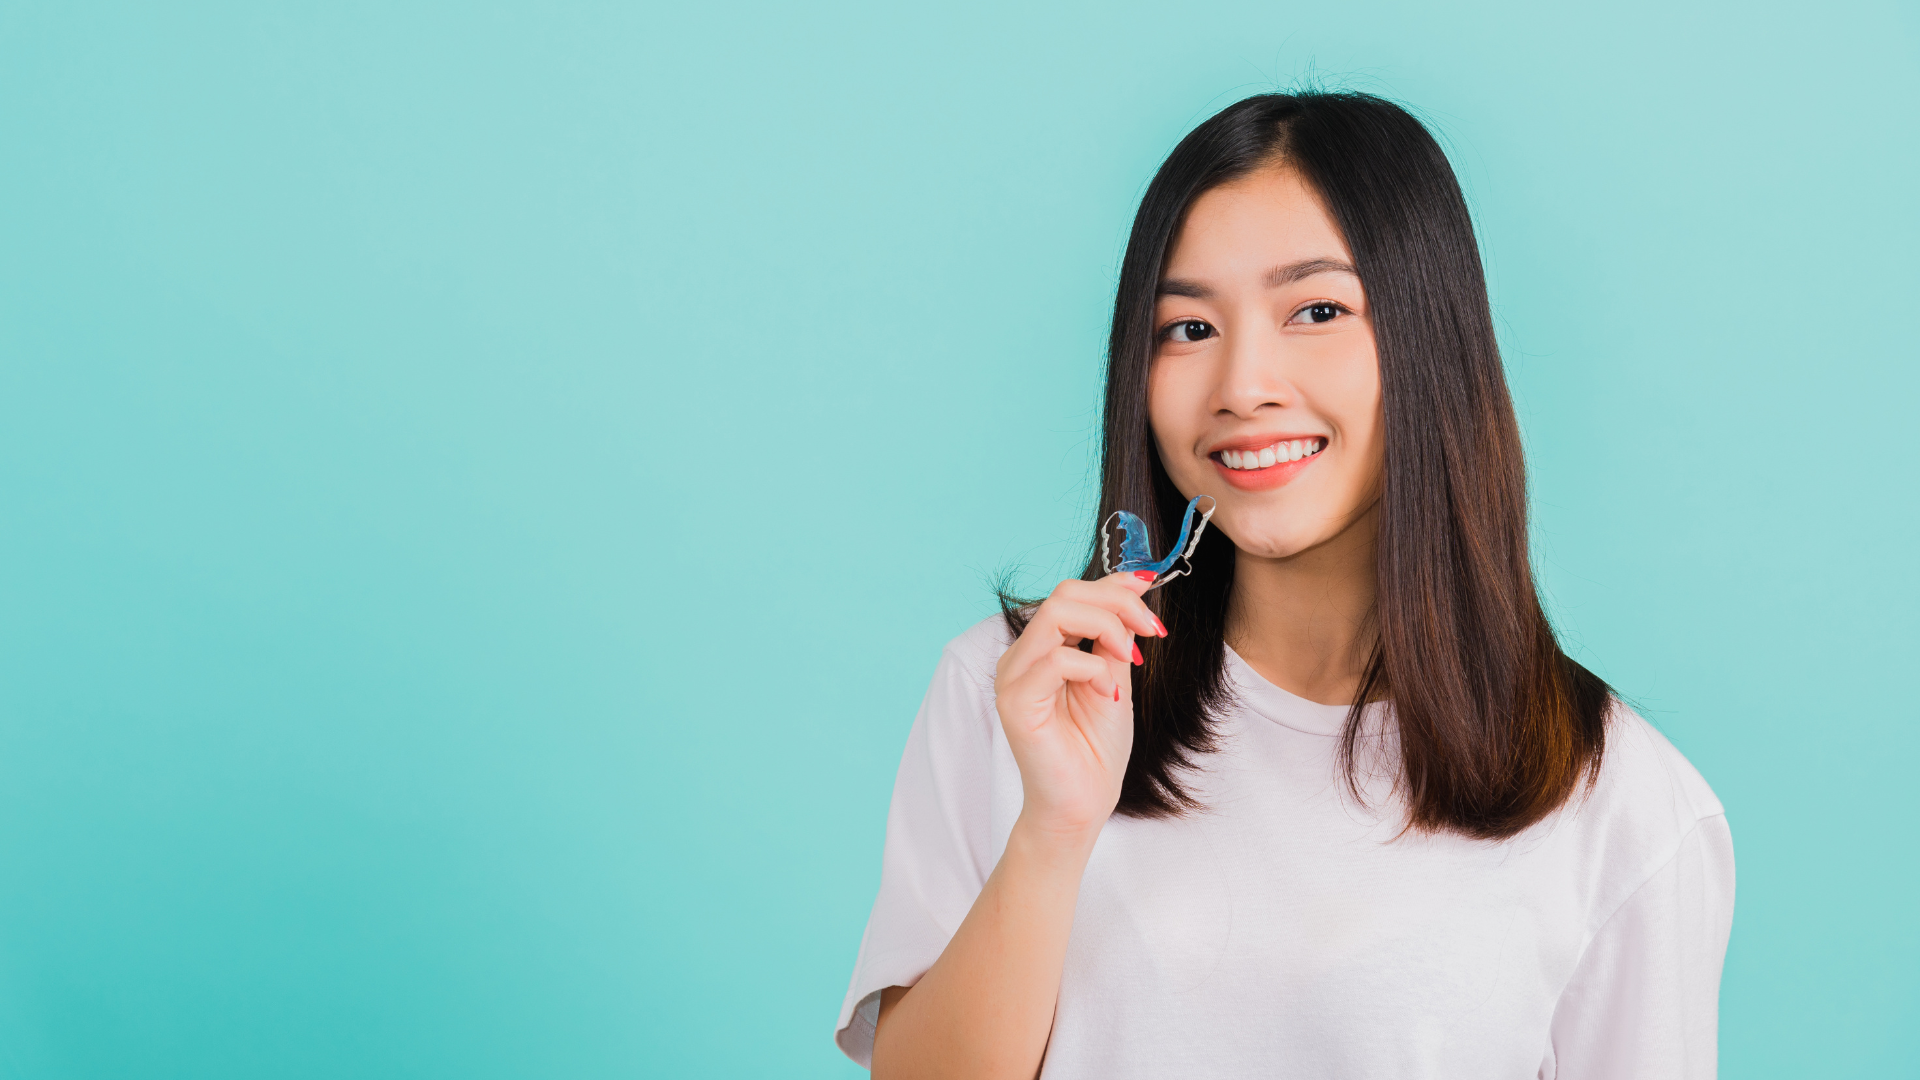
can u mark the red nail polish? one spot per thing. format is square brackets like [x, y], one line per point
[1137, 658]
[1116, 691]
[1160, 626]
[1145, 575]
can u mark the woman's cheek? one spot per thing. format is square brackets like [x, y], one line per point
[1171, 424]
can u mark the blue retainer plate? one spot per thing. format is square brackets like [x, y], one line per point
[1135, 552]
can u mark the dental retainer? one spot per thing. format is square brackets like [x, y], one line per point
[1135, 552]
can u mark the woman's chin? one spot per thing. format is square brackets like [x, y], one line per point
[1269, 544]
[1283, 539]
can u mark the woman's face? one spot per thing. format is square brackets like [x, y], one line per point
[1264, 390]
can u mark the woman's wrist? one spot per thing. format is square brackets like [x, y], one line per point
[1061, 845]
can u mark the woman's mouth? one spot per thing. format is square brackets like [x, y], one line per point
[1266, 467]
[1268, 456]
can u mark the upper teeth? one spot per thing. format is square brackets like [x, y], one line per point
[1277, 454]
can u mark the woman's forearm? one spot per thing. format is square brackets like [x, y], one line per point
[985, 1009]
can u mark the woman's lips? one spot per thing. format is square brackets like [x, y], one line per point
[1278, 474]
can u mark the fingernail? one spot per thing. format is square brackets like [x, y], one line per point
[1116, 691]
[1158, 625]
[1145, 575]
[1137, 658]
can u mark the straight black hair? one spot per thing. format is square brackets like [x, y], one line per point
[1497, 725]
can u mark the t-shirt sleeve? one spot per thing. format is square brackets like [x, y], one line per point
[1645, 999]
[938, 848]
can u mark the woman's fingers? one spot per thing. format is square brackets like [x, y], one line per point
[1071, 622]
[1108, 612]
[1120, 594]
[1061, 621]
[1060, 665]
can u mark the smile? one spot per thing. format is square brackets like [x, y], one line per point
[1268, 456]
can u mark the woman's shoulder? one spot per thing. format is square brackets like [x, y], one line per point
[983, 641]
[1643, 771]
[960, 697]
[976, 650]
[1644, 804]
[1648, 809]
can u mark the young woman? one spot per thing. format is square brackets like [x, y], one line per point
[1335, 804]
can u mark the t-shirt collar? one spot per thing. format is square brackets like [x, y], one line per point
[1283, 708]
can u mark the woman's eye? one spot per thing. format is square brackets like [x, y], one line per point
[1187, 330]
[1318, 313]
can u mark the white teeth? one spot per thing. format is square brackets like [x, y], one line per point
[1279, 453]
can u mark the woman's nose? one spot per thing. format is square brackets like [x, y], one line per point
[1253, 374]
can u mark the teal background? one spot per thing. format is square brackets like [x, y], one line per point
[483, 486]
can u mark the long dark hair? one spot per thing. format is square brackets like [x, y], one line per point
[1497, 726]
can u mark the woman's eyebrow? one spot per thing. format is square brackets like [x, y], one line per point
[1193, 290]
[1306, 268]
[1276, 277]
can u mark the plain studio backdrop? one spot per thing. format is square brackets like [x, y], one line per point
[483, 486]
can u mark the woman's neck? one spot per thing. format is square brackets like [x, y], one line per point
[1303, 622]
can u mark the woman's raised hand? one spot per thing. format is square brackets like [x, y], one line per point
[1068, 714]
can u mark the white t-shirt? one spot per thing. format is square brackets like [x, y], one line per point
[1287, 931]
